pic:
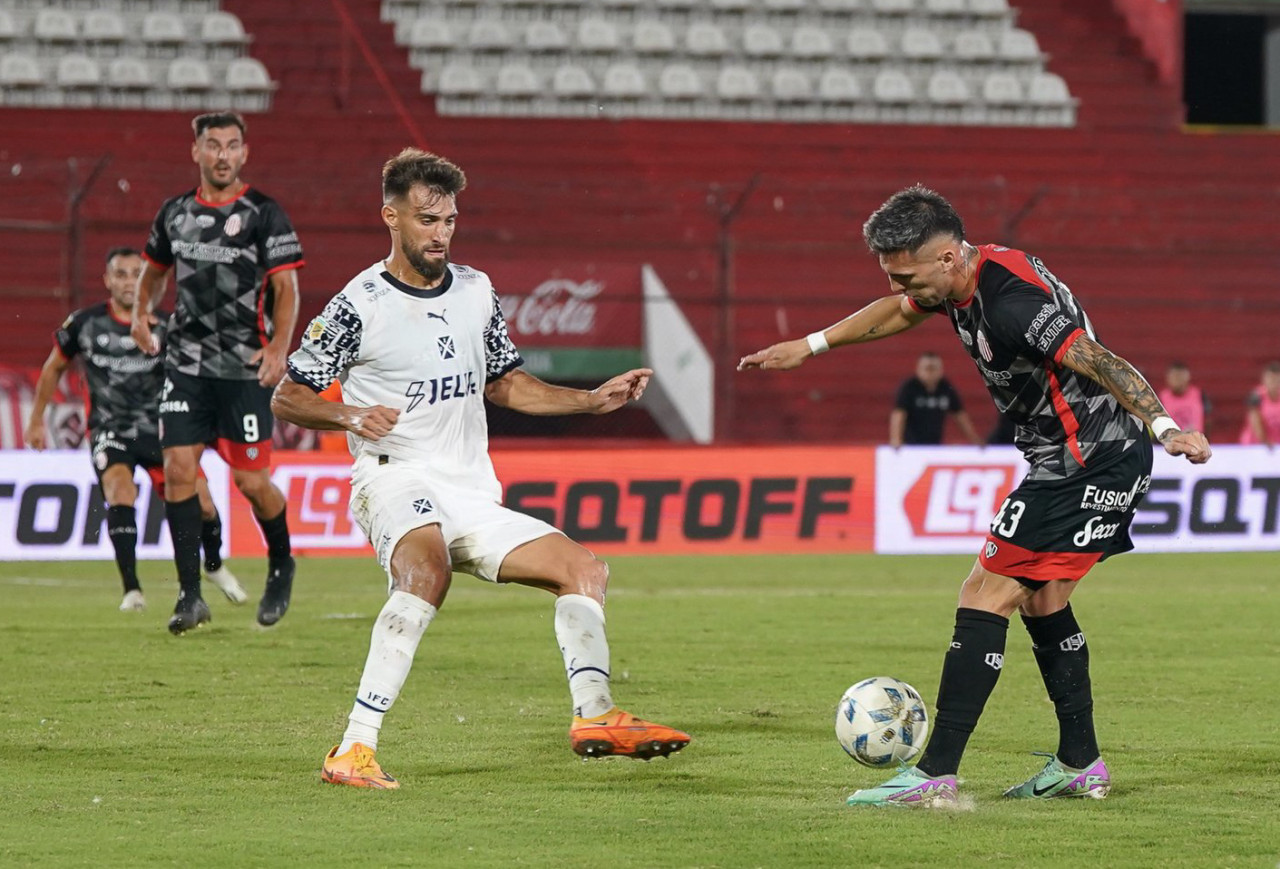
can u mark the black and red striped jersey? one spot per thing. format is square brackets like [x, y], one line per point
[222, 256]
[1016, 327]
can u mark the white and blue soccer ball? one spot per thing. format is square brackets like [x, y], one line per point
[882, 721]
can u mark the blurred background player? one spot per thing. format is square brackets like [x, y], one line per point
[124, 396]
[1262, 409]
[418, 344]
[1184, 400]
[924, 402]
[1077, 408]
[237, 303]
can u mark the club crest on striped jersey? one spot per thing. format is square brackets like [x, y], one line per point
[233, 225]
[984, 349]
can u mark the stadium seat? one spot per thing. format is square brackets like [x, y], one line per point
[653, 38]
[191, 81]
[811, 43]
[1051, 102]
[54, 30]
[21, 79]
[621, 8]
[998, 9]
[680, 88]
[1004, 99]
[163, 34]
[490, 36]
[624, 84]
[545, 37]
[1018, 46]
[129, 81]
[791, 85]
[597, 36]
[973, 46]
[9, 30]
[920, 45]
[104, 32]
[840, 94]
[461, 90]
[705, 40]
[950, 98]
[731, 9]
[517, 86]
[572, 83]
[867, 45]
[784, 10]
[676, 10]
[737, 87]
[428, 39]
[949, 9]
[895, 96]
[761, 42]
[841, 8]
[249, 84]
[893, 7]
[79, 78]
[222, 35]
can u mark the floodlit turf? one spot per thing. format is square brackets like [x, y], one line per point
[123, 746]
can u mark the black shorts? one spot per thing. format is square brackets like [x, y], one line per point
[143, 451]
[1059, 529]
[234, 415]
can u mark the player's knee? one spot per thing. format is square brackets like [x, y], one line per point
[589, 576]
[254, 485]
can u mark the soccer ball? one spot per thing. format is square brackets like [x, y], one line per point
[882, 721]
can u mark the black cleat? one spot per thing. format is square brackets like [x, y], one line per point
[189, 614]
[275, 599]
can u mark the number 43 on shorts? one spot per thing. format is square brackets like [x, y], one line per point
[1006, 521]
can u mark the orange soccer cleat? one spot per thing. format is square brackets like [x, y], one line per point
[357, 768]
[621, 734]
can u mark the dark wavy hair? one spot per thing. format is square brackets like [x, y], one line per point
[908, 219]
[413, 166]
[217, 120]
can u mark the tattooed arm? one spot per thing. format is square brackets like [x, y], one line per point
[885, 316]
[1135, 395]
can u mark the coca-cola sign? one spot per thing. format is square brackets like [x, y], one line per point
[575, 306]
[555, 307]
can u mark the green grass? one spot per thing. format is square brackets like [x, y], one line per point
[123, 746]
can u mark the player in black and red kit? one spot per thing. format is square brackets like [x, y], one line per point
[1081, 414]
[124, 397]
[236, 256]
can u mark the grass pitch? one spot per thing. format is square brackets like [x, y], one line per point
[123, 746]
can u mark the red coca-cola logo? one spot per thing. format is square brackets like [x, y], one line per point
[555, 307]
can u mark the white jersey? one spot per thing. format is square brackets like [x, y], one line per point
[426, 353]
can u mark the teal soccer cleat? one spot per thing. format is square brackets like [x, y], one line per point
[910, 787]
[1057, 780]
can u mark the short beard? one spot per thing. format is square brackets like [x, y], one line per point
[429, 270]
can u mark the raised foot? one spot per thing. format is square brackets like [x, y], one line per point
[621, 734]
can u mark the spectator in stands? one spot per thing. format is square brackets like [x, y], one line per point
[924, 401]
[1184, 401]
[1262, 417]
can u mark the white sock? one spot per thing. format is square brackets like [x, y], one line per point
[396, 634]
[580, 632]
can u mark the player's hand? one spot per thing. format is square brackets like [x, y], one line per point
[36, 436]
[613, 394]
[779, 357]
[371, 423]
[1192, 444]
[140, 331]
[271, 361]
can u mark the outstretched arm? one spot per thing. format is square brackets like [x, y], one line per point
[885, 316]
[35, 436]
[525, 393]
[1135, 395]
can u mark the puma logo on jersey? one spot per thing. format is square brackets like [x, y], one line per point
[440, 316]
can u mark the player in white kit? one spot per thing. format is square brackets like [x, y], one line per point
[417, 344]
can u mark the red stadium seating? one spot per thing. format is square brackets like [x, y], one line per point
[1165, 236]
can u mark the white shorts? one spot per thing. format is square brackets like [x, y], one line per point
[388, 501]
